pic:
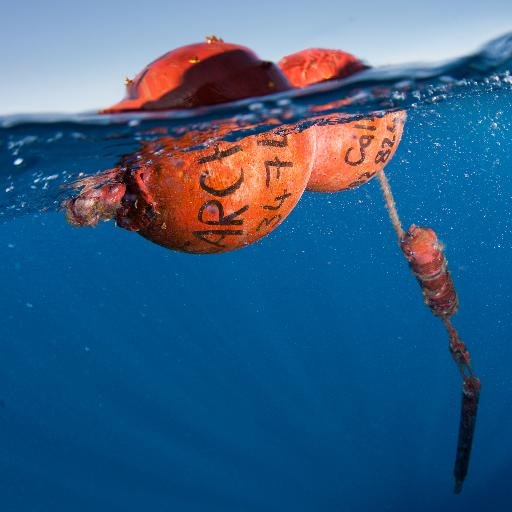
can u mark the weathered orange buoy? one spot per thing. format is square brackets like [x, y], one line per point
[218, 198]
[348, 154]
[316, 65]
[201, 74]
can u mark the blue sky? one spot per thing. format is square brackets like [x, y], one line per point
[62, 56]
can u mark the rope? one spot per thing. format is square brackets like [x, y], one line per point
[458, 350]
[390, 205]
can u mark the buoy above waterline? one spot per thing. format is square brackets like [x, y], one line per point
[198, 75]
[316, 65]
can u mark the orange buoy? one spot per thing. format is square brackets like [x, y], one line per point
[221, 197]
[216, 199]
[348, 154]
[316, 65]
[201, 74]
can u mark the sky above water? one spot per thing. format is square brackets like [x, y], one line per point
[61, 56]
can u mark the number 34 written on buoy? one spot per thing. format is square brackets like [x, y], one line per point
[228, 195]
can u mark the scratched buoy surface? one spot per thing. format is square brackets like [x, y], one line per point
[220, 198]
[303, 372]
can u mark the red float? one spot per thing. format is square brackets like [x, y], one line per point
[316, 65]
[348, 154]
[201, 74]
[221, 197]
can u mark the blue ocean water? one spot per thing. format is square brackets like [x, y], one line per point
[301, 373]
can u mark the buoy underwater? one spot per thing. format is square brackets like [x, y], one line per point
[215, 199]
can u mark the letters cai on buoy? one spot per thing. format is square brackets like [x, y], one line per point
[350, 153]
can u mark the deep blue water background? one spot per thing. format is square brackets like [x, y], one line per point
[301, 373]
